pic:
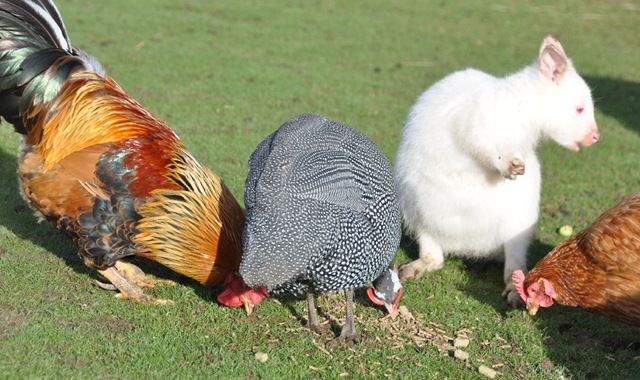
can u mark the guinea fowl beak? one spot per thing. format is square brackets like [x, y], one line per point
[392, 308]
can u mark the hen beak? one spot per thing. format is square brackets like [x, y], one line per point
[248, 305]
[532, 308]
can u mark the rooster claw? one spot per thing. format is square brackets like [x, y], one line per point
[105, 286]
[128, 290]
[145, 298]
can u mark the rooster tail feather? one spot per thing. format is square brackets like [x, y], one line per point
[42, 19]
[36, 58]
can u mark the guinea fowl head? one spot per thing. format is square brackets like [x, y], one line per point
[387, 290]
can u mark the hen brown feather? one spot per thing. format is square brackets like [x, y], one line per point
[598, 269]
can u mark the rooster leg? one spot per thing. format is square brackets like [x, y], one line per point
[312, 322]
[349, 329]
[135, 275]
[127, 289]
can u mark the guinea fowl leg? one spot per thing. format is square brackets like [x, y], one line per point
[349, 329]
[312, 322]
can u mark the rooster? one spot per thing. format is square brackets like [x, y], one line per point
[597, 269]
[102, 168]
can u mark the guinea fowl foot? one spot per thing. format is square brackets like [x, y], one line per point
[349, 336]
[128, 289]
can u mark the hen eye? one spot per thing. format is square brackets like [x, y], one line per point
[579, 109]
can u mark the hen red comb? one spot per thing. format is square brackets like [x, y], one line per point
[518, 281]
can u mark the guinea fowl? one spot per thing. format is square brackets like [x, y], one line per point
[322, 216]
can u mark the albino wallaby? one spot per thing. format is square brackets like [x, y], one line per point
[460, 170]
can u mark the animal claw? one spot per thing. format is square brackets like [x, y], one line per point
[516, 168]
[105, 286]
[128, 289]
[513, 298]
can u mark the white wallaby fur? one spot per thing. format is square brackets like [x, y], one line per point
[460, 170]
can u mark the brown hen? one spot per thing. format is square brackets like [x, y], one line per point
[597, 269]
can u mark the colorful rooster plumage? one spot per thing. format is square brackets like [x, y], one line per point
[102, 168]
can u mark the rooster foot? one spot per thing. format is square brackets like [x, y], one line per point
[105, 285]
[135, 275]
[127, 289]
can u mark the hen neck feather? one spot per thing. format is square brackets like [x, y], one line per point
[573, 275]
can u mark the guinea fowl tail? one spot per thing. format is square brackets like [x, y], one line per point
[36, 58]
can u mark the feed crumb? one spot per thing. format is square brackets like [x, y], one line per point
[404, 311]
[462, 355]
[460, 342]
[488, 372]
[261, 357]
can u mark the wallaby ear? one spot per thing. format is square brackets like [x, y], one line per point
[553, 60]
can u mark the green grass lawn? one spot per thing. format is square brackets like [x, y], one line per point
[225, 74]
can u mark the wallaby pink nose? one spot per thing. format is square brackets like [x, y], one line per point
[591, 138]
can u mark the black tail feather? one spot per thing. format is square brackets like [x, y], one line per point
[36, 57]
[39, 19]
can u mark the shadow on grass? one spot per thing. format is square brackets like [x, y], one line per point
[617, 98]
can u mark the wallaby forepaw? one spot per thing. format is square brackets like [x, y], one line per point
[516, 168]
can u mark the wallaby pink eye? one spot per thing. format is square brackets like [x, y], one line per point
[579, 109]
